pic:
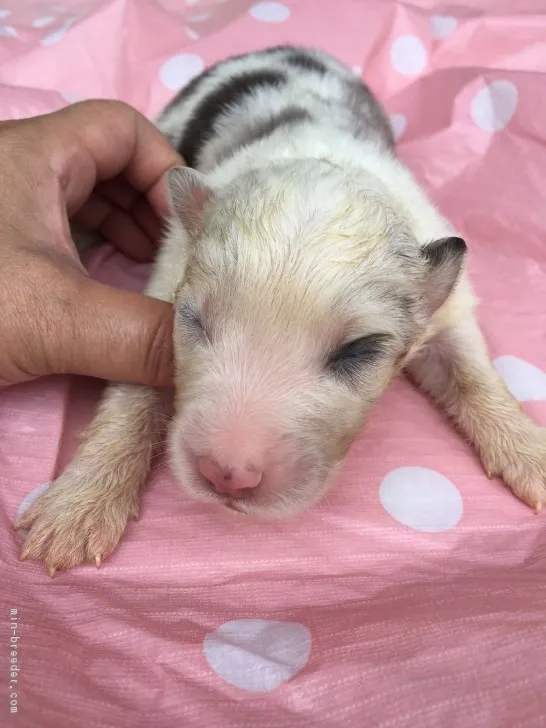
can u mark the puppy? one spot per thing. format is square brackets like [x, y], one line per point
[307, 269]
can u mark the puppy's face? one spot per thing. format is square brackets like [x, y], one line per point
[301, 298]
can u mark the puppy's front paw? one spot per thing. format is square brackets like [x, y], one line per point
[520, 461]
[75, 522]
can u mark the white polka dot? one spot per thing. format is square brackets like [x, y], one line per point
[44, 21]
[6, 31]
[58, 34]
[494, 106]
[54, 37]
[258, 654]
[408, 55]
[4, 14]
[179, 70]
[398, 124]
[192, 34]
[421, 499]
[442, 25]
[29, 499]
[526, 382]
[357, 70]
[270, 12]
[192, 2]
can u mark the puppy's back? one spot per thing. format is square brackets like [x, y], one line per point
[250, 97]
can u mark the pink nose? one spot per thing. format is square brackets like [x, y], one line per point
[227, 480]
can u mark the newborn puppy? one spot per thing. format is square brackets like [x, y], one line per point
[307, 269]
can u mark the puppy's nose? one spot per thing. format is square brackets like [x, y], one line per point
[229, 480]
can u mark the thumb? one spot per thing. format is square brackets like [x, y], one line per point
[119, 336]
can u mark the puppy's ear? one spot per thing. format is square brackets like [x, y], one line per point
[444, 260]
[187, 195]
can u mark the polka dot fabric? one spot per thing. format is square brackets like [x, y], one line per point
[415, 594]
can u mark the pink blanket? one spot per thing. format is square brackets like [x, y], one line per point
[415, 594]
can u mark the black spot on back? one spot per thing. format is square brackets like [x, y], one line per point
[200, 128]
[258, 130]
[290, 115]
[370, 118]
[306, 61]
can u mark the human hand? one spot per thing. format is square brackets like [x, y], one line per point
[99, 163]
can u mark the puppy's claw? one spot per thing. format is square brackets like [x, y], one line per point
[51, 571]
[98, 560]
[538, 508]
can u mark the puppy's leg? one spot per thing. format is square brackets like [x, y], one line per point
[83, 514]
[455, 369]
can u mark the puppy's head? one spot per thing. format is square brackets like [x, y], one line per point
[303, 293]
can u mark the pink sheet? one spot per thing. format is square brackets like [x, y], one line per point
[415, 594]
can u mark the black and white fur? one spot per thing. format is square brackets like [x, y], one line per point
[307, 269]
[280, 90]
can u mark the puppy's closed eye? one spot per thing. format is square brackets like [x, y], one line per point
[352, 357]
[191, 319]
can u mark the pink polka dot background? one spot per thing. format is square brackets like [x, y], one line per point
[415, 594]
